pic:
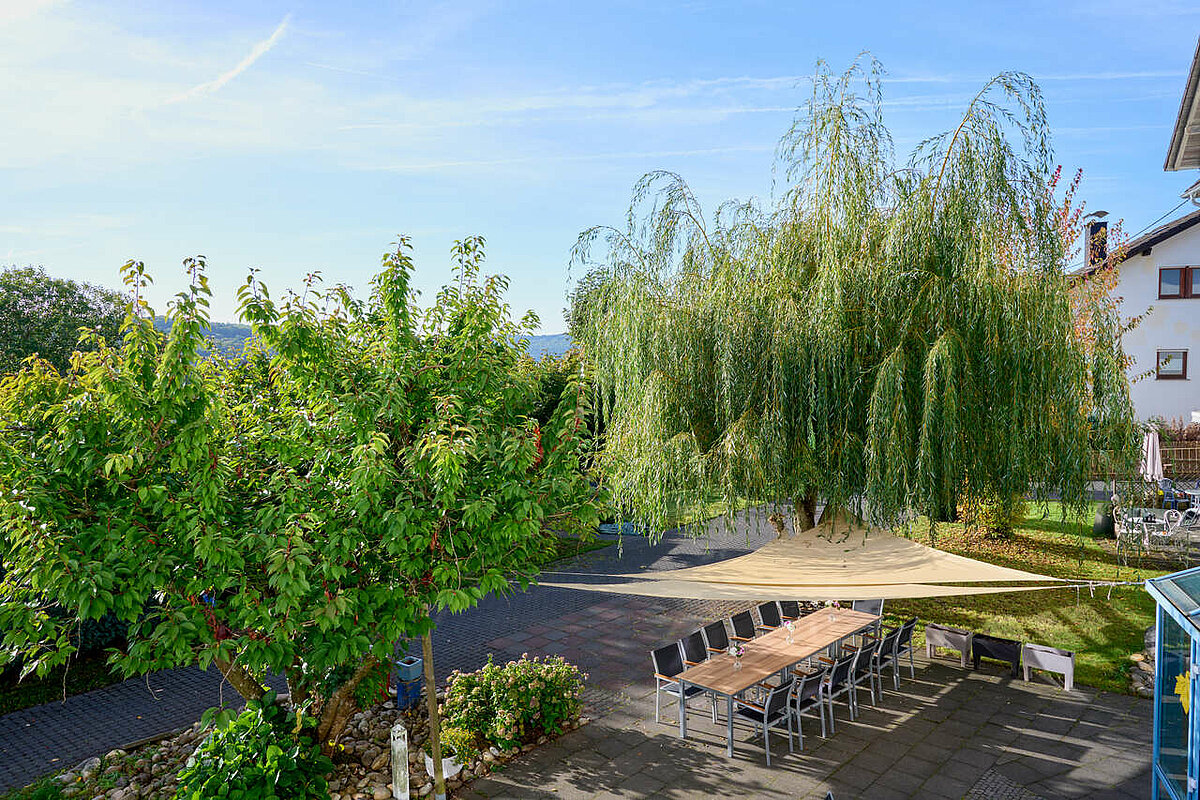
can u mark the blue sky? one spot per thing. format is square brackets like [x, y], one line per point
[299, 136]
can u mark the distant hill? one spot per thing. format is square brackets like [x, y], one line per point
[554, 344]
[230, 338]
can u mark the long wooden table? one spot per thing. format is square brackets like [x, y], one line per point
[768, 655]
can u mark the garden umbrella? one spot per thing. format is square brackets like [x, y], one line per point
[1152, 469]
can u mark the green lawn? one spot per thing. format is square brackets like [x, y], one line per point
[1102, 630]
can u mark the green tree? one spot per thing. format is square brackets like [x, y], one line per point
[298, 511]
[43, 315]
[884, 337]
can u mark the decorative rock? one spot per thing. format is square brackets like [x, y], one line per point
[382, 793]
[380, 761]
[113, 755]
[425, 790]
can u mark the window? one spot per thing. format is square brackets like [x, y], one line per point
[1178, 282]
[1172, 365]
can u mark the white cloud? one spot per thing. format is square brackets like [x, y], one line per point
[259, 50]
[16, 10]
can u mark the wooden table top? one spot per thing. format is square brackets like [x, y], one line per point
[770, 653]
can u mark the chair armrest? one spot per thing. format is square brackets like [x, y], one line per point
[824, 660]
[755, 706]
[766, 627]
[742, 638]
[715, 650]
[692, 663]
[662, 677]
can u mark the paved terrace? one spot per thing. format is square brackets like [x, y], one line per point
[949, 733]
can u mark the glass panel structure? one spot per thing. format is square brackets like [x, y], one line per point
[1177, 682]
[1173, 704]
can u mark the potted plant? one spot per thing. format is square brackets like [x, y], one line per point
[458, 748]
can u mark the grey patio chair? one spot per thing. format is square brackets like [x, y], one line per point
[716, 636]
[769, 614]
[874, 606]
[694, 649]
[668, 663]
[868, 606]
[774, 713]
[743, 626]
[790, 609]
[836, 681]
[904, 647]
[886, 656]
[864, 667]
[806, 695]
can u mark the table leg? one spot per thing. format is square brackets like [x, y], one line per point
[729, 726]
[682, 710]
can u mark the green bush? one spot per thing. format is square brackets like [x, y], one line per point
[261, 753]
[459, 743]
[515, 703]
[994, 516]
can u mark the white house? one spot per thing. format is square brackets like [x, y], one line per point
[1161, 272]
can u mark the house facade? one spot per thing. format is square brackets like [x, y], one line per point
[1161, 273]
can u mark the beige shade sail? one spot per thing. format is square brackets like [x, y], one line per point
[837, 560]
[695, 590]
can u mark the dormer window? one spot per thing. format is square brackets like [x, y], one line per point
[1178, 282]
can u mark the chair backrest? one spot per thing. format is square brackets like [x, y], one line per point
[668, 660]
[866, 655]
[868, 606]
[888, 645]
[840, 671]
[769, 613]
[717, 636]
[906, 632]
[694, 648]
[777, 700]
[1168, 487]
[743, 625]
[790, 608]
[808, 686]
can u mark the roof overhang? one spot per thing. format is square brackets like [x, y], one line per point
[1184, 151]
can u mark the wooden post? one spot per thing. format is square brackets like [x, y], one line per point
[435, 744]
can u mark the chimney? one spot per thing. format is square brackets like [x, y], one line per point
[1097, 242]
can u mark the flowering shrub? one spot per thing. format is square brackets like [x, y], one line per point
[515, 703]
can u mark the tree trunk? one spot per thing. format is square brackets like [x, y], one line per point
[341, 706]
[239, 678]
[435, 742]
[806, 512]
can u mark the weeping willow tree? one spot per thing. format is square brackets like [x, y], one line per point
[884, 338]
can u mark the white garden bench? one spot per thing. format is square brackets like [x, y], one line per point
[950, 638]
[1050, 659]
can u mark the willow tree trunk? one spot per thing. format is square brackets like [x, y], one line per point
[806, 512]
[435, 742]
